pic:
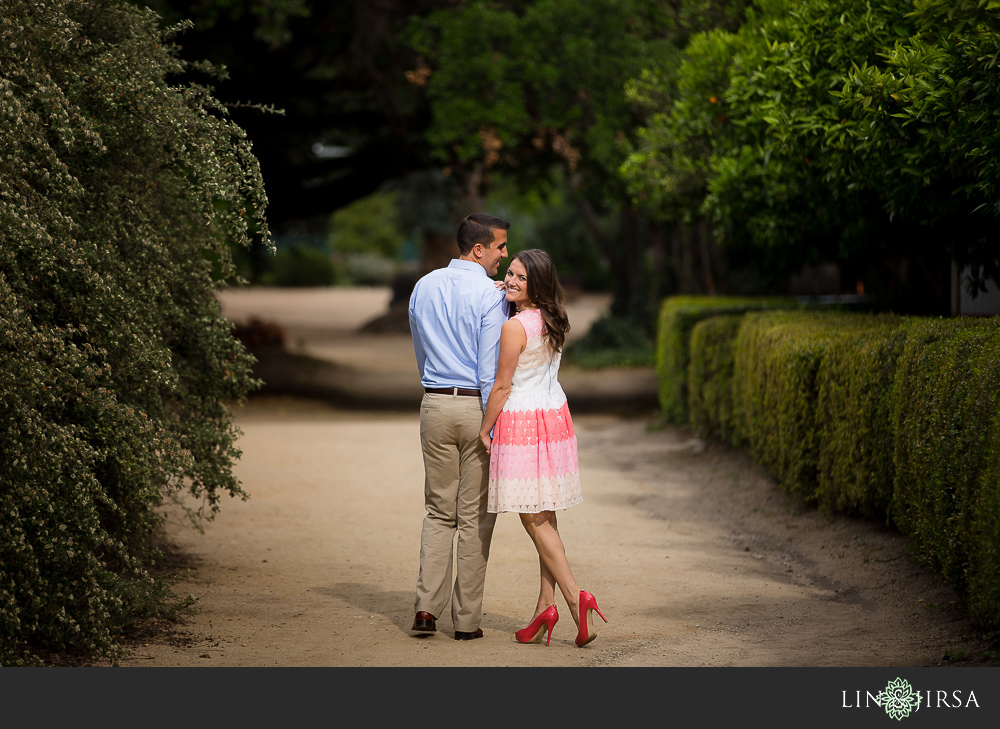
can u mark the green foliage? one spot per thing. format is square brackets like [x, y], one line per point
[362, 246]
[678, 316]
[508, 81]
[119, 195]
[535, 89]
[612, 342]
[923, 128]
[888, 417]
[831, 130]
[984, 537]
[710, 377]
[778, 355]
[547, 217]
[367, 240]
[853, 418]
[711, 151]
[301, 266]
[271, 16]
[770, 186]
[368, 225]
[669, 166]
[945, 414]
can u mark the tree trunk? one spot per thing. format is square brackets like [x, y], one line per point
[658, 255]
[606, 244]
[701, 232]
[438, 248]
[683, 260]
[437, 251]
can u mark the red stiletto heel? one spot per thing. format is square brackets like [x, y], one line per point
[588, 604]
[545, 621]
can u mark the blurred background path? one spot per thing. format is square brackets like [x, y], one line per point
[326, 355]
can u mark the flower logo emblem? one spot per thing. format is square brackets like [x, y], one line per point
[899, 699]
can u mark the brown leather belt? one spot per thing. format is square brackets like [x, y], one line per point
[452, 391]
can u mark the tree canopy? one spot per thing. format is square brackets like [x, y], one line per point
[758, 135]
[350, 122]
[536, 90]
[862, 132]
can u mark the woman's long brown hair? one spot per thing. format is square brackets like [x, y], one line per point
[545, 292]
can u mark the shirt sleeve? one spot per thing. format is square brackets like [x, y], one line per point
[418, 345]
[493, 320]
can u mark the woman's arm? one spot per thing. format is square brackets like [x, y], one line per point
[513, 340]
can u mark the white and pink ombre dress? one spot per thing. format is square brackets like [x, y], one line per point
[533, 459]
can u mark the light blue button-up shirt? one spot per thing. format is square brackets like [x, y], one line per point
[455, 317]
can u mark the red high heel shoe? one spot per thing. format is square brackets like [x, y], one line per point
[588, 604]
[545, 621]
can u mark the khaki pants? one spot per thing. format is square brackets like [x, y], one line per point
[456, 476]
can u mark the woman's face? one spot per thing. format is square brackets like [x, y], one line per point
[516, 282]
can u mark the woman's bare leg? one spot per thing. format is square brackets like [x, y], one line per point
[547, 591]
[553, 565]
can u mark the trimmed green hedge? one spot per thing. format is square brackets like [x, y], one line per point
[889, 417]
[678, 316]
[855, 471]
[775, 390]
[710, 377]
[984, 536]
[946, 411]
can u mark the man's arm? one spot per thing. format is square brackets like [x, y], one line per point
[418, 345]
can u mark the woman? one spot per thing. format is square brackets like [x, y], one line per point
[533, 459]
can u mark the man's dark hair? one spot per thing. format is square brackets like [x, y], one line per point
[478, 229]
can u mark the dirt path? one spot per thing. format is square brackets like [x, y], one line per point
[695, 557]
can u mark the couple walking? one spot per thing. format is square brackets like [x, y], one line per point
[495, 429]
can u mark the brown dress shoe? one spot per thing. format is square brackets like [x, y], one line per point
[424, 621]
[461, 635]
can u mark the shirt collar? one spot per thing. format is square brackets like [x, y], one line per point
[467, 265]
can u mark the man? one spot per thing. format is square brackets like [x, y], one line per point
[455, 317]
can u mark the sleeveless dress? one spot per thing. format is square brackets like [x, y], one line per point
[533, 458]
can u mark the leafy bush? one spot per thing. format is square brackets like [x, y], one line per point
[119, 195]
[855, 468]
[612, 341]
[984, 537]
[855, 358]
[775, 390]
[860, 132]
[889, 417]
[710, 376]
[301, 266]
[774, 379]
[921, 126]
[368, 225]
[678, 315]
[945, 414]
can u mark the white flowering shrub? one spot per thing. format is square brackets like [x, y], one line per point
[121, 191]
